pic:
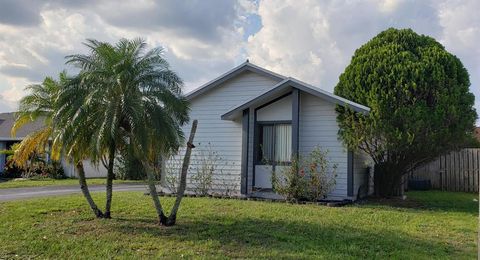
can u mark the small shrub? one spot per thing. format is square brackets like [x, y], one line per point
[55, 171]
[308, 178]
[11, 170]
[204, 164]
[34, 170]
[206, 169]
[229, 187]
[172, 173]
[40, 169]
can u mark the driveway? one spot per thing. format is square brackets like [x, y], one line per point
[35, 192]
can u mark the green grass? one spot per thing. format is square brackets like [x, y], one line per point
[429, 225]
[22, 183]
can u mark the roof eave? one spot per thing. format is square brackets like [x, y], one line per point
[281, 86]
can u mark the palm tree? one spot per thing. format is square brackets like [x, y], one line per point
[122, 95]
[41, 104]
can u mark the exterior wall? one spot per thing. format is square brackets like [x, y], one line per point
[223, 136]
[362, 169]
[90, 170]
[277, 111]
[318, 127]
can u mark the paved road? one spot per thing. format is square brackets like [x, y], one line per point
[34, 192]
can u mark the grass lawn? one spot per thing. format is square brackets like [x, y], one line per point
[428, 225]
[22, 183]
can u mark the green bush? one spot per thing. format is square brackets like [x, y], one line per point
[36, 169]
[308, 178]
[11, 170]
[128, 167]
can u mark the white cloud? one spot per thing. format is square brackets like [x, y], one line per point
[314, 40]
[310, 40]
[461, 35]
[29, 53]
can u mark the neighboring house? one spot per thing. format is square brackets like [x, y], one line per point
[249, 114]
[477, 133]
[6, 141]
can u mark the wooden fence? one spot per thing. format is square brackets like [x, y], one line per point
[455, 171]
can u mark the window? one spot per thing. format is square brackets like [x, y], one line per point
[275, 143]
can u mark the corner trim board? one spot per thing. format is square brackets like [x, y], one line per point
[245, 142]
[295, 121]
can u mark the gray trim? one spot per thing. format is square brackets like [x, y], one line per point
[350, 174]
[285, 86]
[246, 66]
[329, 96]
[295, 121]
[254, 148]
[245, 137]
[270, 122]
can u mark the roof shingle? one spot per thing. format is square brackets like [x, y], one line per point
[6, 122]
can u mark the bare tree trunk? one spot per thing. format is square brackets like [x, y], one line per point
[110, 176]
[171, 219]
[86, 193]
[153, 193]
[183, 177]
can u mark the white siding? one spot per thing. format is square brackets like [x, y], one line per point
[90, 170]
[361, 163]
[225, 137]
[318, 127]
[277, 111]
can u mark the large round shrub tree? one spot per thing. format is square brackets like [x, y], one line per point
[420, 104]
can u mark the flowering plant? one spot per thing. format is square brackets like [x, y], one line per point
[309, 178]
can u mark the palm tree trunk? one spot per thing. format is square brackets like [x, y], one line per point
[86, 193]
[183, 177]
[110, 176]
[153, 192]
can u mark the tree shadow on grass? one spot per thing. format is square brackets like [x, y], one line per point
[424, 201]
[248, 237]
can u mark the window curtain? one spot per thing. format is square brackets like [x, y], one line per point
[283, 142]
[267, 145]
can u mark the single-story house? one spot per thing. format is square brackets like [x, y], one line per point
[254, 120]
[250, 114]
[6, 141]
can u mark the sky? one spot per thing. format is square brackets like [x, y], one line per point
[310, 40]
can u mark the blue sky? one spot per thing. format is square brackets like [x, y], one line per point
[310, 40]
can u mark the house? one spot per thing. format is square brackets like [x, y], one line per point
[6, 141]
[250, 113]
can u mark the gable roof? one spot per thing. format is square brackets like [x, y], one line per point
[6, 123]
[246, 66]
[283, 87]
